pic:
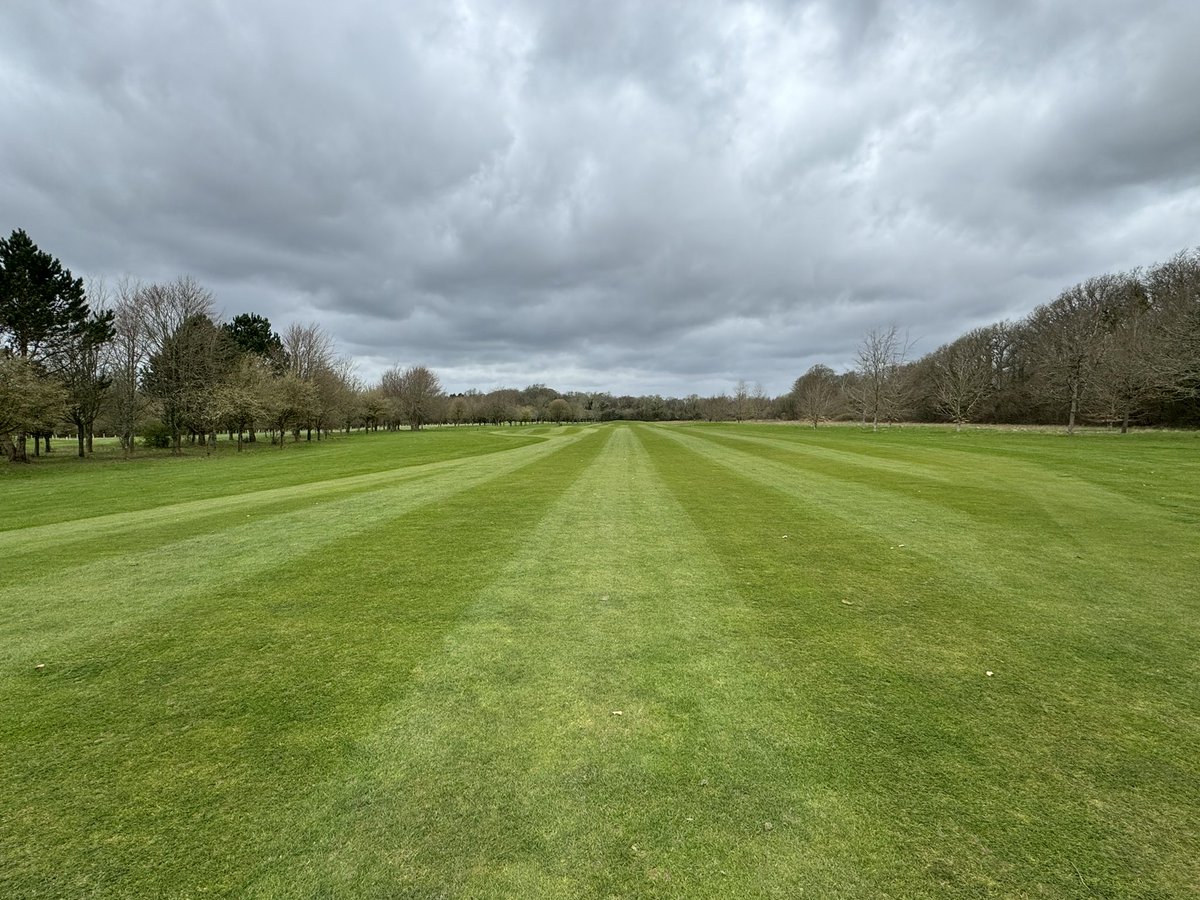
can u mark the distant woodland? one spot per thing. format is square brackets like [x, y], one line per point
[154, 365]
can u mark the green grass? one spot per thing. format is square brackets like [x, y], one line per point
[620, 661]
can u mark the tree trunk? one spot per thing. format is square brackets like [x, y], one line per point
[82, 443]
[13, 450]
[90, 436]
[1074, 407]
[239, 440]
[1125, 423]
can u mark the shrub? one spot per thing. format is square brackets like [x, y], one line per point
[156, 434]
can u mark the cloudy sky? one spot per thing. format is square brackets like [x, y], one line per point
[634, 196]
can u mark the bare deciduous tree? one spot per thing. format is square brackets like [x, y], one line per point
[416, 393]
[963, 375]
[288, 403]
[80, 362]
[1125, 378]
[880, 389]
[741, 401]
[459, 410]
[186, 361]
[125, 359]
[333, 393]
[308, 350]
[243, 396]
[559, 410]
[1067, 340]
[1174, 290]
[816, 394]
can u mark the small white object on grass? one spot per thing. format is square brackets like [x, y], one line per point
[989, 674]
[617, 712]
[40, 666]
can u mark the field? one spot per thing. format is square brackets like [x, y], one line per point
[606, 661]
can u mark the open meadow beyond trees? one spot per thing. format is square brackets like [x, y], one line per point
[606, 661]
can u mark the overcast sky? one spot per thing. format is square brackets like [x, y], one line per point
[633, 196]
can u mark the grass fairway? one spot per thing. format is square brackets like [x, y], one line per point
[614, 661]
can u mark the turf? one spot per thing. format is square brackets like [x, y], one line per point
[676, 661]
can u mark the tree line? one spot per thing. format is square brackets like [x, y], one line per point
[154, 363]
[1114, 349]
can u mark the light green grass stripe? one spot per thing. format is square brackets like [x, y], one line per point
[605, 721]
[82, 580]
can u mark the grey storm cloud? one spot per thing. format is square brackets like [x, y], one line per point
[634, 196]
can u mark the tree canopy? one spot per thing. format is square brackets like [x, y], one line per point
[42, 305]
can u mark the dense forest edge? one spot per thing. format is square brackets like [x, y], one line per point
[154, 365]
